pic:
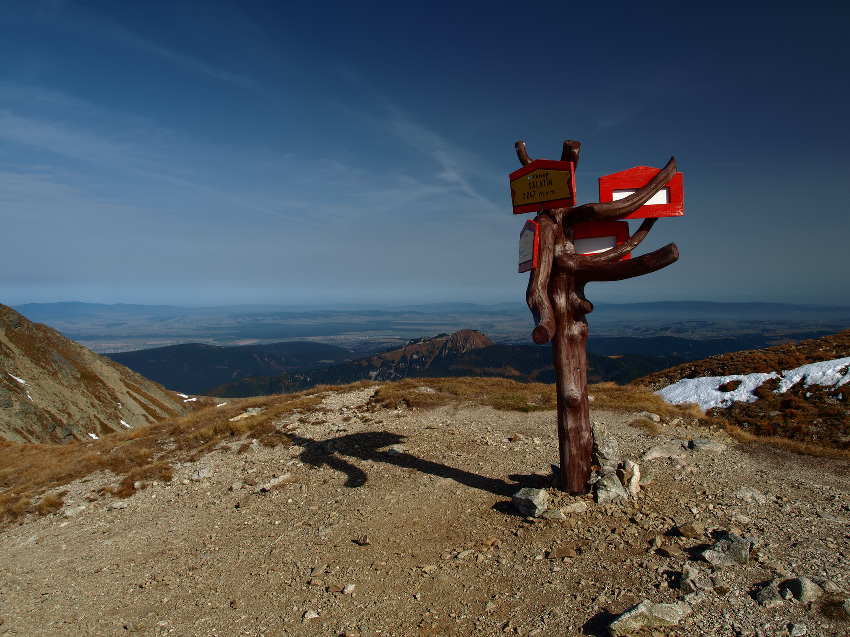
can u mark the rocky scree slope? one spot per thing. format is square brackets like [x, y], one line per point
[399, 521]
[55, 391]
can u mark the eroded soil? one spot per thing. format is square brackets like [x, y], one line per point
[399, 522]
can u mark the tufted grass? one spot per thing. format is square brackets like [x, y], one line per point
[32, 474]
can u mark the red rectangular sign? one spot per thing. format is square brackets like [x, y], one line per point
[668, 202]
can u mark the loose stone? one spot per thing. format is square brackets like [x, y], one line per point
[729, 550]
[648, 615]
[670, 550]
[275, 483]
[560, 552]
[691, 529]
[554, 514]
[768, 595]
[580, 506]
[710, 446]
[531, 502]
[750, 495]
[666, 450]
[803, 589]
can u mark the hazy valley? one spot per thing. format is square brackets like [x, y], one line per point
[369, 329]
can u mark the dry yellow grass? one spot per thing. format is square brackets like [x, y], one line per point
[498, 393]
[29, 471]
[634, 398]
[31, 474]
[796, 446]
[649, 426]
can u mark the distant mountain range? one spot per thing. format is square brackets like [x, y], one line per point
[194, 368]
[54, 390]
[465, 353]
[296, 365]
[414, 359]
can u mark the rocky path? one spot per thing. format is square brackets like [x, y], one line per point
[400, 522]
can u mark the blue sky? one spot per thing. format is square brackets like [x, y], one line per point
[257, 151]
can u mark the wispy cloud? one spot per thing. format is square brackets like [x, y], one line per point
[445, 154]
[60, 125]
[457, 167]
[126, 37]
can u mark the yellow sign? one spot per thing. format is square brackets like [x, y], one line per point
[541, 182]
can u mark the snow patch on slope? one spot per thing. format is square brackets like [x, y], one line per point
[705, 391]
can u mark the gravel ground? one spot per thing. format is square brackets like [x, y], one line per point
[399, 522]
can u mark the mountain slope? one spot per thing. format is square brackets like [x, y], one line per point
[770, 359]
[53, 390]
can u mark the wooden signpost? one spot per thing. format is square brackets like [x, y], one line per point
[572, 246]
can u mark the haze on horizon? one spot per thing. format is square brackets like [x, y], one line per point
[230, 152]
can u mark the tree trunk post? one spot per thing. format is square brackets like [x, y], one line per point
[575, 440]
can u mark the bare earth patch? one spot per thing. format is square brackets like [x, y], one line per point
[385, 520]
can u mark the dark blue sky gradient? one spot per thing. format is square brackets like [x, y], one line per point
[273, 152]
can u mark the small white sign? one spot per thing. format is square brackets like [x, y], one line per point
[526, 247]
[662, 196]
[593, 245]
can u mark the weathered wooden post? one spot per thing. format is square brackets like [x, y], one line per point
[566, 247]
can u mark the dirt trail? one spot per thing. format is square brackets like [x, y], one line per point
[399, 522]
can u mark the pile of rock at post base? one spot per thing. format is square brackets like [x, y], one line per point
[614, 481]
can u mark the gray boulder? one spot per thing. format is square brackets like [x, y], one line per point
[665, 450]
[803, 589]
[531, 502]
[648, 615]
[606, 451]
[729, 550]
[710, 446]
[609, 489]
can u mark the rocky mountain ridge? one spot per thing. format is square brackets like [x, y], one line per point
[413, 357]
[464, 353]
[53, 390]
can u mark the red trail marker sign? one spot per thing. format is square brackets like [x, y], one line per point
[667, 202]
